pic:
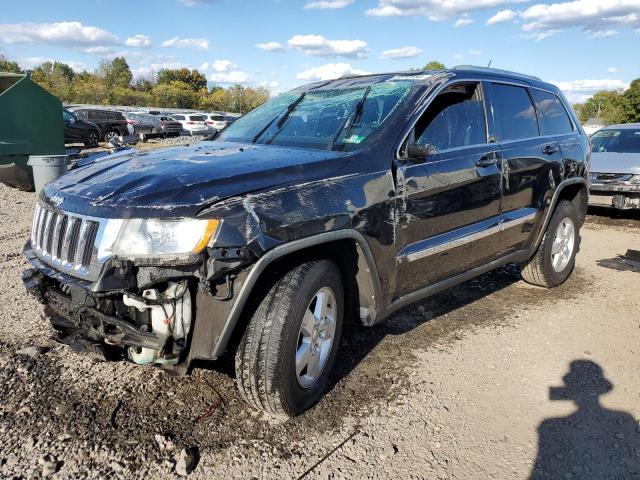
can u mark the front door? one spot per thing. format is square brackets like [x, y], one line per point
[449, 206]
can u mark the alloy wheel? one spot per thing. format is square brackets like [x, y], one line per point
[563, 244]
[315, 339]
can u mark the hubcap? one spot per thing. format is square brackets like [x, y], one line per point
[110, 136]
[563, 245]
[315, 339]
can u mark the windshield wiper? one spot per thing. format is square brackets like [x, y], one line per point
[350, 120]
[283, 119]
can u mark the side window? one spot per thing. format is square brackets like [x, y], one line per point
[97, 116]
[67, 117]
[513, 111]
[81, 114]
[554, 119]
[178, 117]
[455, 118]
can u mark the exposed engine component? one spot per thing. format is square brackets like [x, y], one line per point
[170, 313]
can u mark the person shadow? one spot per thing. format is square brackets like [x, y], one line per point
[593, 442]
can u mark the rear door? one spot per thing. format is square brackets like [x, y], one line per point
[449, 208]
[530, 161]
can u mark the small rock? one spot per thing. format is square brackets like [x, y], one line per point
[62, 408]
[49, 465]
[33, 351]
[185, 461]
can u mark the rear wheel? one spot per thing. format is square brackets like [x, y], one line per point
[290, 345]
[110, 135]
[555, 259]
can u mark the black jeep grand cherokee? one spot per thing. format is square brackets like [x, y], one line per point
[352, 197]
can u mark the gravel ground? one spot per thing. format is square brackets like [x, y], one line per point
[491, 379]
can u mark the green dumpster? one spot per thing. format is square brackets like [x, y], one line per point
[30, 124]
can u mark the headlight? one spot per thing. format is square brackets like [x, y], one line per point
[151, 238]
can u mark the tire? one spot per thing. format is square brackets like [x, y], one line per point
[110, 135]
[92, 139]
[555, 258]
[267, 369]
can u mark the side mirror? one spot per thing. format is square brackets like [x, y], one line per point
[421, 151]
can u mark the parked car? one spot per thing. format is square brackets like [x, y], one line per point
[77, 130]
[144, 125]
[111, 124]
[344, 199]
[217, 121]
[615, 167]
[193, 124]
[170, 127]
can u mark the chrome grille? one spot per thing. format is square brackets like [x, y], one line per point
[66, 241]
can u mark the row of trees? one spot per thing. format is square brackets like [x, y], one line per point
[611, 106]
[113, 84]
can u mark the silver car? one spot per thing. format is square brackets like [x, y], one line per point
[615, 167]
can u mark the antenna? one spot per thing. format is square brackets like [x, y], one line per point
[489, 63]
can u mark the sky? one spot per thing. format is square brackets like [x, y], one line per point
[581, 45]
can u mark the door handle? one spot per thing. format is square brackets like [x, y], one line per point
[549, 149]
[487, 160]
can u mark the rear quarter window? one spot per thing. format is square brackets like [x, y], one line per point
[115, 116]
[178, 117]
[513, 112]
[554, 119]
[97, 115]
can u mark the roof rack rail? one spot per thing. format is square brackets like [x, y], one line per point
[497, 71]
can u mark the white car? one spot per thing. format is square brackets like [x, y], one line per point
[193, 123]
[216, 120]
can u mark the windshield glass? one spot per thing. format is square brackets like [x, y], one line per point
[624, 140]
[322, 119]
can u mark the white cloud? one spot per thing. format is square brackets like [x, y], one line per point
[69, 34]
[29, 63]
[612, 70]
[458, 56]
[271, 47]
[475, 52]
[329, 71]
[580, 90]
[191, 3]
[99, 50]
[464, 21]
[223, 65]
[433, 9]
[596, 17]
[502, 16]
[403, 52]
[197, 43]
[319, 46]
[140, 41]
[235, 76]
[328, 4]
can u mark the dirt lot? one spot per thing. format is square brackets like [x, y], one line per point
[492, 379]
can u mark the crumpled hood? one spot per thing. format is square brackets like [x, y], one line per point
[611, 162]
[181, 181]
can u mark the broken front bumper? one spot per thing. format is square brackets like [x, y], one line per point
[75, 314]
[615, 195]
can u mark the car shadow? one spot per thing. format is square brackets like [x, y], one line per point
[614, 213]
[593, 442]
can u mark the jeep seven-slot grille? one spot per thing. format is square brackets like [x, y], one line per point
[63, 241]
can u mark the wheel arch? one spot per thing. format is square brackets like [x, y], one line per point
[364, 287]
[575, 190]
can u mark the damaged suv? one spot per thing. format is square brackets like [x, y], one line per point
[349, 198]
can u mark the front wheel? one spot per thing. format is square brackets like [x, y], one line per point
[290, 345]
[555, 259]
[92, 139]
